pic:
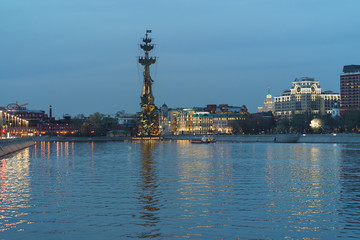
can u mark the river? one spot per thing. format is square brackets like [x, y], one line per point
[179, 190]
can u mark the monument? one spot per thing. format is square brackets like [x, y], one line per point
[149, 125]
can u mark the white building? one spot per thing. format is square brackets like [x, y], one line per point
[305, 95]
[268, 103]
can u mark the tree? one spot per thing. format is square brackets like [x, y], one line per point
[300, 123]
[253, 124]
[97, 120]
[78, 121]
[351, 120]
[283, 126]
[85, 129]
[331, 124]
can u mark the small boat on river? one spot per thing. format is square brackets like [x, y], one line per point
[204, 139]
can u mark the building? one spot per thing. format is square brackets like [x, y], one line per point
[305, 95]
[268, 103]
[224, 108]
[350, 87]
[13, 126]
[335, 111]
[126, 120]
[56, 128]
[211, 108]
[33, 116]
[198, 121]
[164, 123]
[222, 122]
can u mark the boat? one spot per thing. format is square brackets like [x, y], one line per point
[204, 139]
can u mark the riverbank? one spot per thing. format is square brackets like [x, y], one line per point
[275, 138]
[8, 146]
[282, 138]
[79, 139]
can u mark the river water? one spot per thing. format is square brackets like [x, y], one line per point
[179, 190]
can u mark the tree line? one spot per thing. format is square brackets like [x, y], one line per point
[348, 122]
[96, 124]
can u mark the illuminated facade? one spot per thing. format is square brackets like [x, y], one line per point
[13, 126]
[221, 122]
[194, 121]
[149, 125]
[305, 95]
[163, 120]
[56, 129]
[350, 87]
[268, 103]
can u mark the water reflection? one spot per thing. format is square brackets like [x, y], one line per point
[310, 195]
[186, 150]
[149, 195]
[62, 149]
[173, 190]
[350, 194]
[205, 187]
[14, 190]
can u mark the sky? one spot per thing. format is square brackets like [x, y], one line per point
[80, 56]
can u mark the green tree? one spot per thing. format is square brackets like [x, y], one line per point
[283, 126]
[252, 125]
[97, 120]
[331, 124]
[351, 120]
[78, 121]
[85, 129]
[300, 123]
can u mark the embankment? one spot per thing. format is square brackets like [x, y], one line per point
[282, 138]
[275, 138]
[8, 146]
[330, 138]
[79, 139]
[228, 138]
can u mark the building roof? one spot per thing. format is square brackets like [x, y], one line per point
[351, 68]
[303, 79]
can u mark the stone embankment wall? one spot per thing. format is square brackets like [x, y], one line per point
[276, 138]
[8, 146]
[330, 138]
[281, 138]
[79, 139]
[228, 138]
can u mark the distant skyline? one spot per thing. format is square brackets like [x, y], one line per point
[80, 55]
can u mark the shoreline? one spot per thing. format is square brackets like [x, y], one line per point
[284, 138]
[8, 146]
[274, 138]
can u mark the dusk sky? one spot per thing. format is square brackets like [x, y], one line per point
[80, 55]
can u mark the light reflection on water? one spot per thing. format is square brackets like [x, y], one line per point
[167, 190]
[15, 191]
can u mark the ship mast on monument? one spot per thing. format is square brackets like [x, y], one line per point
[148, 121]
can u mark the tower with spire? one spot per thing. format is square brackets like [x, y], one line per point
[148, 120]
[268, 103]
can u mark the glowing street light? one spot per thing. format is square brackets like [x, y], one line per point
[315, 123]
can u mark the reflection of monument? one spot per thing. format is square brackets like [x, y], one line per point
[149, 196]
[148, 120]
